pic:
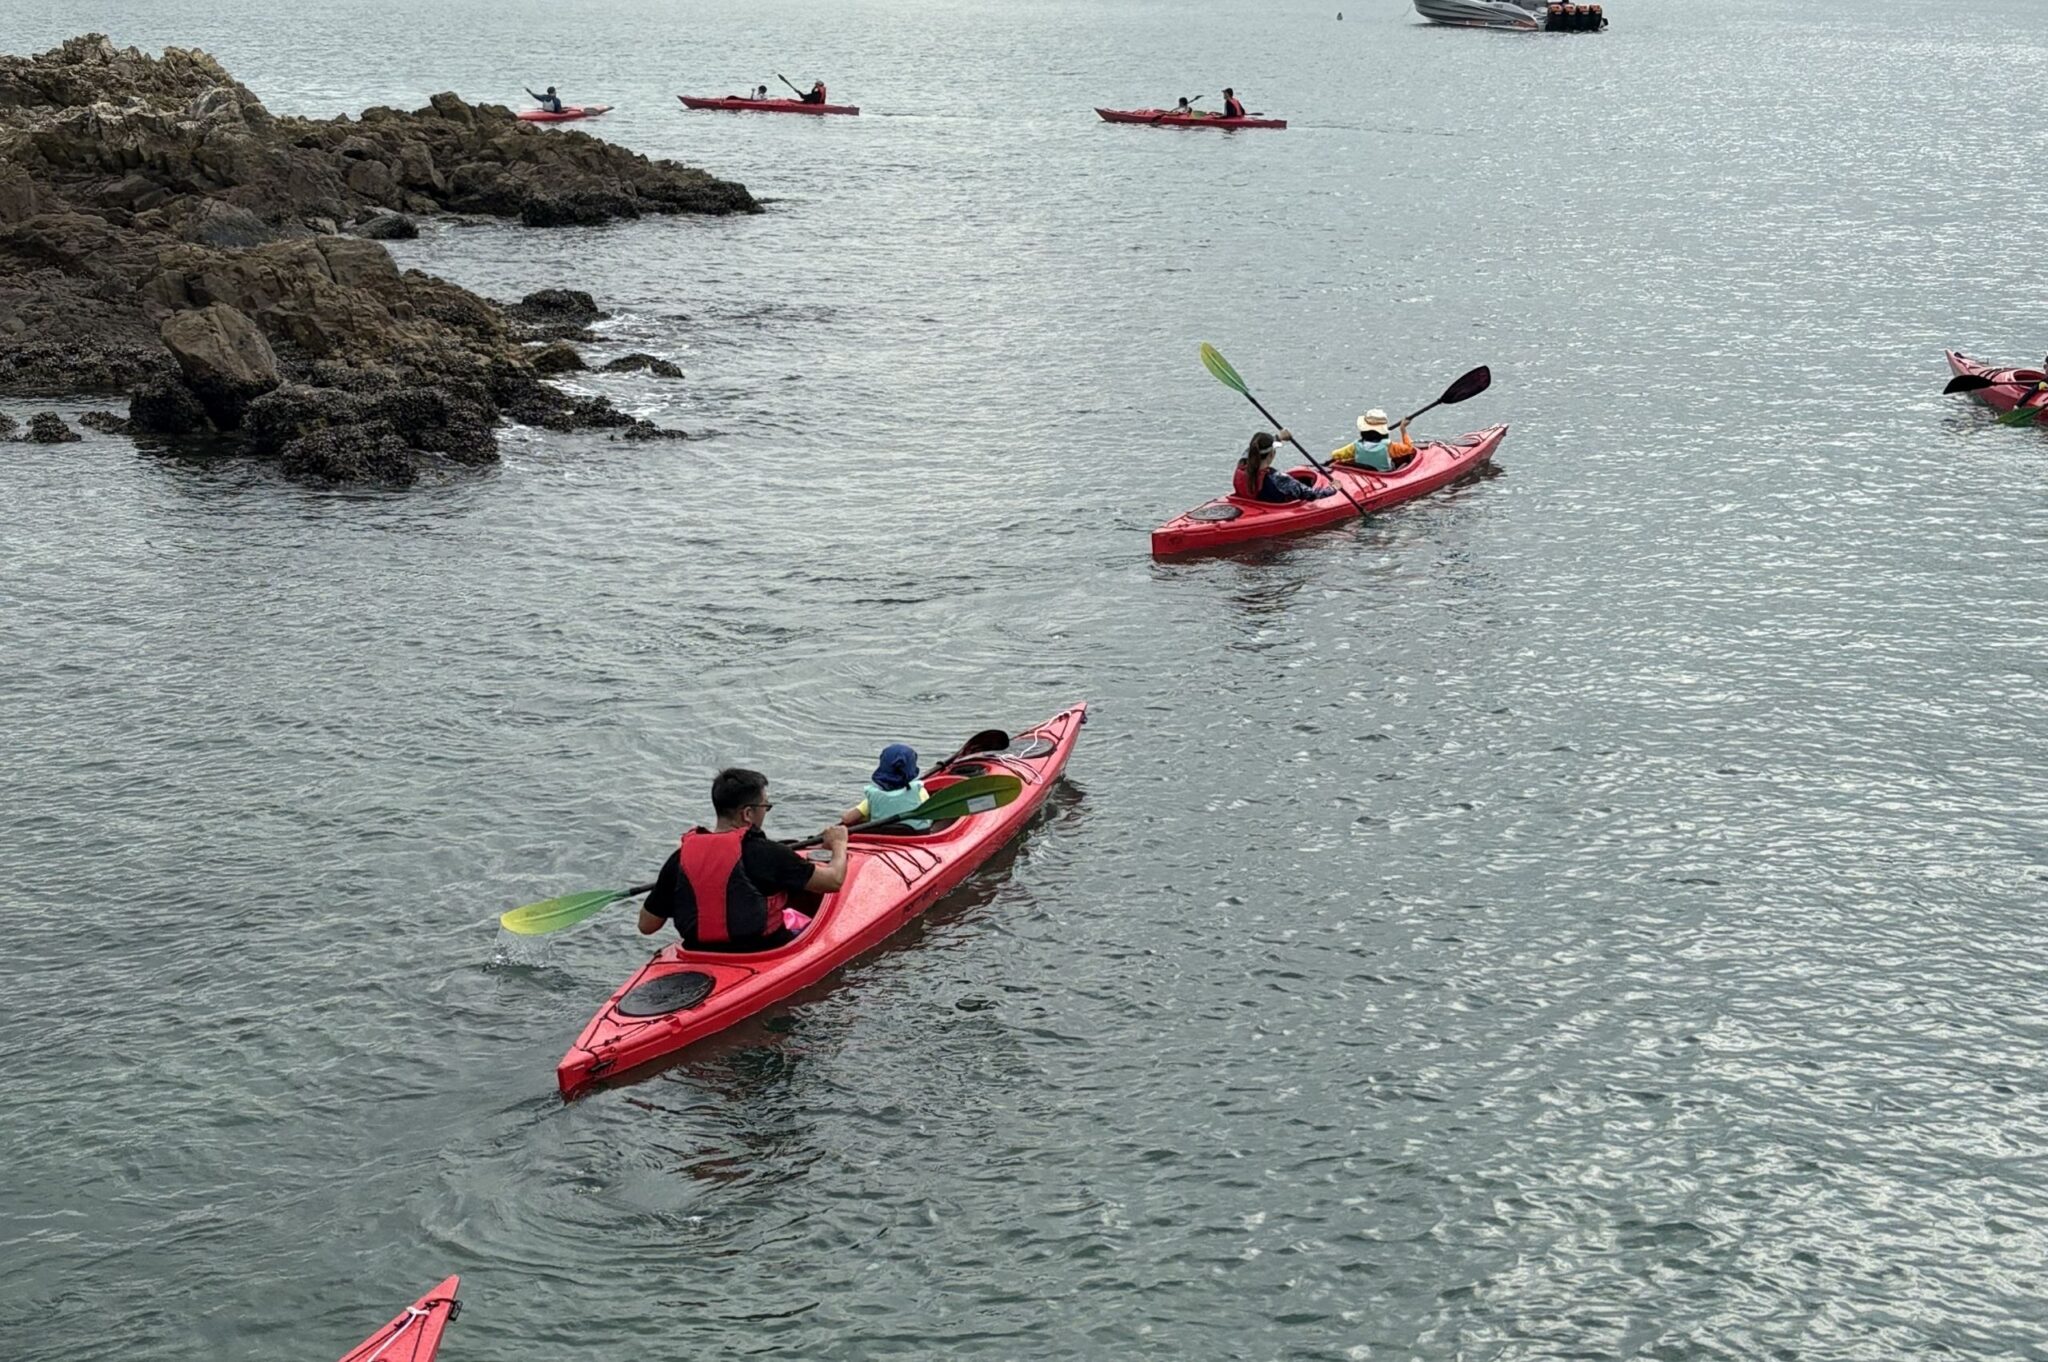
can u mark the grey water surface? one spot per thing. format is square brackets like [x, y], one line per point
[1594, 912]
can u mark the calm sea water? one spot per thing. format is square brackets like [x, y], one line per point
[1591, 913]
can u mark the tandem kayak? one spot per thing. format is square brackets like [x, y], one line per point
[1235, 519]
[735, 105]
[681, 996]
[2014, 386]
[1164, 119]
[415, 1335]
[569, 112]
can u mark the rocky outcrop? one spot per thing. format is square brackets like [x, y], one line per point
[48, 428]
[223, 357]
[557, 357]
[386, 227]
[636, 361]
[555, 314]
[163, 234]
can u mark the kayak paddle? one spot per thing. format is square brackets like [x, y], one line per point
[988, 740]
[977, 794]
[551, 915]
[1172, 113]
[785, 80]
[1227, 376]
[2027, 411]
[1467, 386]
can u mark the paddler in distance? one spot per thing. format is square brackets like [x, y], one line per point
[550, 101]
[1256, 480]
[816, 94]
[1233, 107]
[727, 887]
[1374, 448]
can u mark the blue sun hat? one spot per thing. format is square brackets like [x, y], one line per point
[897, 768]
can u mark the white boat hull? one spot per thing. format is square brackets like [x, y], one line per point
[1481, 14]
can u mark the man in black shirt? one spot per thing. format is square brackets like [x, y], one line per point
[725, 887]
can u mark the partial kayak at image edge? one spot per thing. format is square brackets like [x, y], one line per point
[414, 1333]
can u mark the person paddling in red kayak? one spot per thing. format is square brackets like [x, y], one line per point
[727, 888]
[816, 94]
[550, 101]
[1256, 480]
[1233, 107]
[1374, 448]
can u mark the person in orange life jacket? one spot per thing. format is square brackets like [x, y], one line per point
[893, 790]
[1256, 480]
[1233, 107]
[816, 94]
[726, 888]
[1373, 447]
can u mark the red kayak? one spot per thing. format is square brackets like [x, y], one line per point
[415, 1335]
[734, 104]
[682, 996]
[2014, 385]
[1234, 519]
[1164, 119]
[569, 112]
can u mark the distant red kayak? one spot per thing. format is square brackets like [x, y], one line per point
[732, 104]
[569, 111]
[1234, 519]
[2014, 386]
[415, 1335]
[681, 996]
[1164, 119]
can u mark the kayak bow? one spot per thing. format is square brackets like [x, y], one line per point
[681, 996]
[2011, 388]
[1234, 519]
[414, 1335]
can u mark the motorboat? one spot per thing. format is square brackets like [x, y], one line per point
[1519, 14]
[1527, 16]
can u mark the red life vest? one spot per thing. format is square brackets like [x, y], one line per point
[1233, 107]
[818, 93]
[728, 903]
[1241, 484]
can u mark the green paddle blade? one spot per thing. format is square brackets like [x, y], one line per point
[1214, 362]
[551, 915]
[2020, 416]
[976, 794]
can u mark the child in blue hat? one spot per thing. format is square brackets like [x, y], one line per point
[893, 789]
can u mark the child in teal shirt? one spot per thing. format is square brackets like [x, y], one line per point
[893, 789]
